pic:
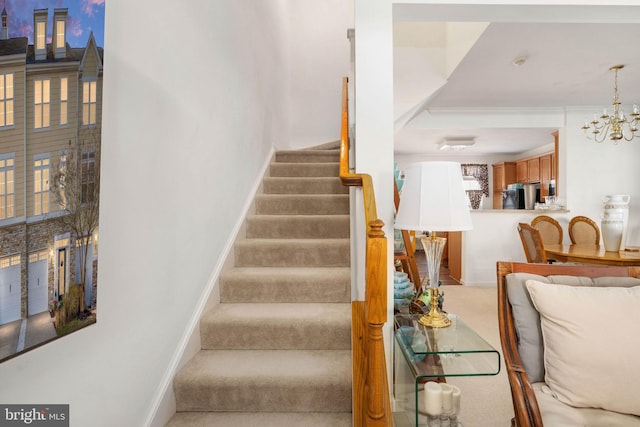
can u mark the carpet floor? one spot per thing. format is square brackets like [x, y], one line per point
[486, 400]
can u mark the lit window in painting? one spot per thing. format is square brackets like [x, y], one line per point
[6, 100]
[59, 34]
[41, 186]
[7, 188]
[89, 103]
[88, 176]
[40, 40]
[42, 103]
[64, 100]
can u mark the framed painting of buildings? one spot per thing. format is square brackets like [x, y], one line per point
[51, 58]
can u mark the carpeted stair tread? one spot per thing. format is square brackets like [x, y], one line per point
[308, 156]
[278, 284]
[271, 326]
[304, 185]
[319, 169]
[302, 204]
[297, 226]
[261, 419]
[265, 380]
[292, 252]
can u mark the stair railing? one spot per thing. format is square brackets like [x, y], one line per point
[371, 402]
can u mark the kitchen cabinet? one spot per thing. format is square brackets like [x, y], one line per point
[528, 170]
[539, 169]
[503, 174]
[546, 174]
[522, 171]
[533, 169]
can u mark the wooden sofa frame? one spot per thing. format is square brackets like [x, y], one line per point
[525, 405]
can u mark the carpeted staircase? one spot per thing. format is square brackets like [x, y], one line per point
[277, 350]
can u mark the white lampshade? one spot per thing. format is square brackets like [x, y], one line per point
[433, 198]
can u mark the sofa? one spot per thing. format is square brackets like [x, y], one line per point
[570, 342]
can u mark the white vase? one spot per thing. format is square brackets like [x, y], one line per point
[615, 209]
[612, 234]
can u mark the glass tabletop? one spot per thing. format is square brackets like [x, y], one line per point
[456, 350]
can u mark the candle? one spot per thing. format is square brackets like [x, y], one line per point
[433, 398]
[456, 400]
[447, 399]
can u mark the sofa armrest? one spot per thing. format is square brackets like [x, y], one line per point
[525, 405]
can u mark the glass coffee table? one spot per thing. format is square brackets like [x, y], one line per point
[431, 354]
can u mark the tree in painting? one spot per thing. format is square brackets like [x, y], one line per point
[76, 186]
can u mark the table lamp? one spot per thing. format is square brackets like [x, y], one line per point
[433, 199]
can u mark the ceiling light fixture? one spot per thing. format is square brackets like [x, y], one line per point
[615, 126]
[456, 144]
[520, 60]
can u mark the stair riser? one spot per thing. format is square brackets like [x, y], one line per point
[304, 169]
[265, 285]
[308, 156]
[298, 227]
[243, 291]
[268, 397]
[302, 205]
[264, 419]
[264, 253]
[304, 186]
[270, 336]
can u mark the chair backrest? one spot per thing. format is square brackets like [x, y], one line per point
[532, 243]
[584, 230]
[550, 229]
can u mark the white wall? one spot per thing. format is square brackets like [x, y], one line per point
[196, 95]
[319, 52]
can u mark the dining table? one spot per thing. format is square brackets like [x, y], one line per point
[593, 254]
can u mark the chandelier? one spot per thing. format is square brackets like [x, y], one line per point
[615, 126]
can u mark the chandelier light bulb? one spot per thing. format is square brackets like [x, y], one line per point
[616, 126]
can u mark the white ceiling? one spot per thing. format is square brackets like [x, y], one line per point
[567, 65]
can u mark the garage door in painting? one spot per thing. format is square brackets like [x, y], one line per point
[38, 283]
[9, 289]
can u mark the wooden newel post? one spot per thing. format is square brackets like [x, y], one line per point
[376, 306]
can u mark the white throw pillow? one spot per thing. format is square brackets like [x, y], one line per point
[591, 346]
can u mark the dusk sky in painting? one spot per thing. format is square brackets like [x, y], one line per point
[83, 17]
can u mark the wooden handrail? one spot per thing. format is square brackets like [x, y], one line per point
[371, 402]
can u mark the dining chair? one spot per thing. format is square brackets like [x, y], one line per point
[583, 229]
[549, 228]
[532, 243]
